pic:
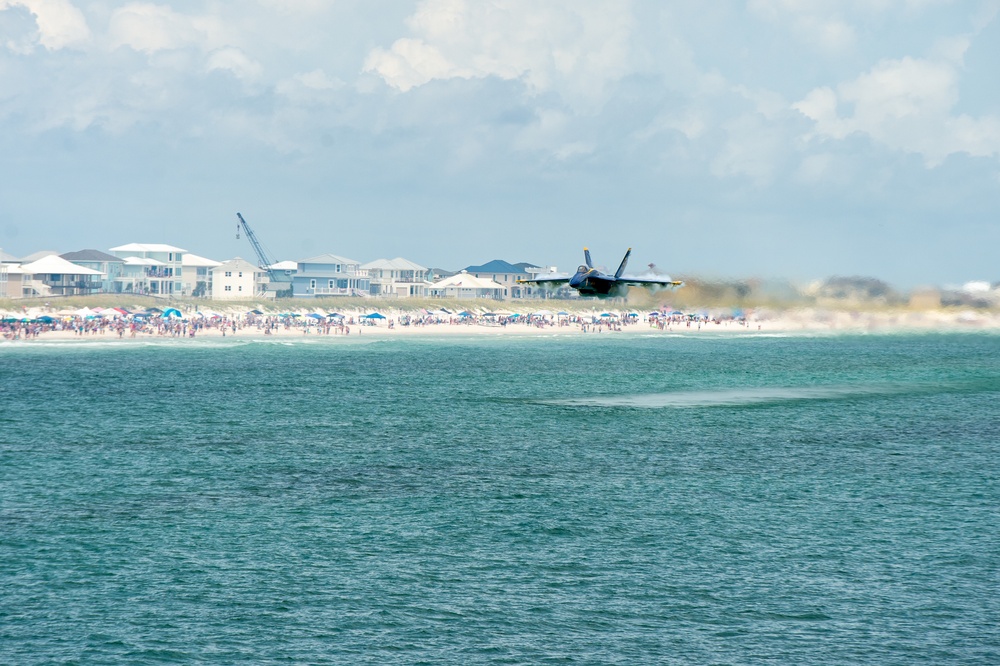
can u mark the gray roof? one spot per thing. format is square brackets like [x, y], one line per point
[497, 266]
[90, 255]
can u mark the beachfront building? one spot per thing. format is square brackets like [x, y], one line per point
[237, 279]
[197, 277]
[329, 275]
[467, 285]
[280, 279]
[107, 264]
[506, 275]
[10, 280]
[14, 286]
[54, 276]
[150, 268]
[397, 277]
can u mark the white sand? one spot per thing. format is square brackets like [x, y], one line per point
[761, 322]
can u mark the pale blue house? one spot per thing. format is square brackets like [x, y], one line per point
[329, 275]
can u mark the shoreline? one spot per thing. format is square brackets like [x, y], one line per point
[790, 324]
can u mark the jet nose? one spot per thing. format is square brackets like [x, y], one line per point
[577, 280]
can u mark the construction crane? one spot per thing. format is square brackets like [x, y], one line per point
[264, 260]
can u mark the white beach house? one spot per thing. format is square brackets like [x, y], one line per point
[466, 285]
[237, 279]
[397, 277]
[54, 276]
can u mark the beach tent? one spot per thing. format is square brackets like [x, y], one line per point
[374, 315]
[172, 312]
[314, 315]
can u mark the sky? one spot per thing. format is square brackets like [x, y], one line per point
[795, 139]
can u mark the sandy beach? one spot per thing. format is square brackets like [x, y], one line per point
[236, 325]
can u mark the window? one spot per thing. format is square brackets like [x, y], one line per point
[241, 273]
[312, 284]
[229, 287]
[229, 274]
[240, 289]
[332, 284]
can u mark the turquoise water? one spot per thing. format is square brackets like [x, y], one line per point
[583, 499]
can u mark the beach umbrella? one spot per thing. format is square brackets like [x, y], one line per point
[313, 315]
[45, 319]
[172, 312]
[255, 312]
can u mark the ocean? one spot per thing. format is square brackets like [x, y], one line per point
[585, 499]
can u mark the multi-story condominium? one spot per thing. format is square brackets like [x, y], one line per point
[150, 268]
[329, 275]
[107, 264]
[237, 279]
[397, 277]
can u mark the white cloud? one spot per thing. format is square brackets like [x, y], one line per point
[60, 24]
[574, 47]
[816, 24]
[906, 105]
[307, 87]
[234, 61]
[150, 28]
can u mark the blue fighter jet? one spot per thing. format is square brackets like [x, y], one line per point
[591, 282]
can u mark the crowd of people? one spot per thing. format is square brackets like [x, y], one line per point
[120, 324]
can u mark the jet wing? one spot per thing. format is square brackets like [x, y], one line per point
[649, 282]
[554, 280]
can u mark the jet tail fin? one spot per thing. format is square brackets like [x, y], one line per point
[621, 268]
[586, 258]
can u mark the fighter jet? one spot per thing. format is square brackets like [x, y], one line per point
[591, 282]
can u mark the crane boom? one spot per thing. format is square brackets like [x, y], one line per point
[264, 260]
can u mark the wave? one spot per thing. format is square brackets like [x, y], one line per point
[743, 396]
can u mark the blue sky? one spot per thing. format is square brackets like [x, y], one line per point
[769, 138]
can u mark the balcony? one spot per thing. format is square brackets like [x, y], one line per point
[331, 291]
